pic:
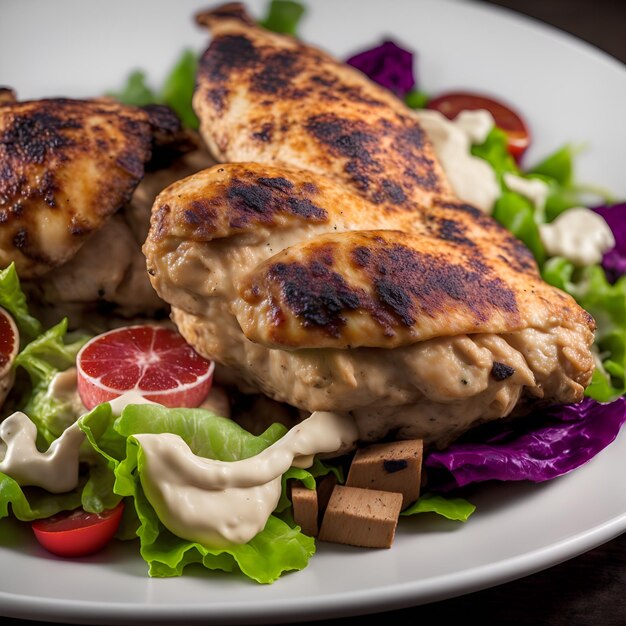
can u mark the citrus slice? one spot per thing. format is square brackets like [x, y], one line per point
[154, 361]
[9, 346]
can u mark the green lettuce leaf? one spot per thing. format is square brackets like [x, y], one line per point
[283, 16]
[176, 91]
[178, 88]
[494, 151]
[606, 302]
[279, 547]
[44, 357]
[13, 300]
[457, 509]
[30, 503]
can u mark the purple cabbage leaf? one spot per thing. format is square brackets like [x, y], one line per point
[535, 448]
[614, 261]
[388, 65]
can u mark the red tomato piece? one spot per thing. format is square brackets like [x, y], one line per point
[452, 103]
[78, 533]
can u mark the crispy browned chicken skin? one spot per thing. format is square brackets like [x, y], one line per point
[268, 98]
[314, 268]
[69, 170]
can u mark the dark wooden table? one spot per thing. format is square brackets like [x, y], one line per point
[589, 589]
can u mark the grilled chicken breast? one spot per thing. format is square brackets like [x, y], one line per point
[268, 98]
[304, 292]
[69, 171]
[327, 264]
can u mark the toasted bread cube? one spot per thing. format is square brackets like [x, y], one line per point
[309, 504]
[395, 466]
[305, 508]
[361, 517]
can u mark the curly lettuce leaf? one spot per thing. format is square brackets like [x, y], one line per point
[50, 353]
[176, 91]
[541, 447]
[606, 302]
[457, 509]
[31, 503]
[279, 547]
[13, 300]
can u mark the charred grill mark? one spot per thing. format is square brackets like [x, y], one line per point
[406, 280]
[276, 76]
[160, 219]
[280, 183]
[406, 284]
[33, 138]
[395, 298]
[315, 294]
[390, 192]
[520, 257]
[245, 201]
[217, 97]
[202, 216]
[225, 55]
[477, 214]
[265, 134]
[329, 88]
[367, 147]
[451, 230]
[500, 371]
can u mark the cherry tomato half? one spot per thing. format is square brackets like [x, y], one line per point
[78, 533]
[452, 103]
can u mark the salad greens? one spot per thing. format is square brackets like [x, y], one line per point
[283, 16]
[176, 91]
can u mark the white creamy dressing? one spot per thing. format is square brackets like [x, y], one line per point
[213, 502]
[55, 470]
[535, 189]
[219, 502]
[472, 178]
[578, 234]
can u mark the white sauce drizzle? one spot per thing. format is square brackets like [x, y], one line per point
[55, 470]
[218, 503]
[472, 178]
[578, 234]
[535, 189]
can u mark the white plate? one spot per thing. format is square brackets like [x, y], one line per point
[567, 90]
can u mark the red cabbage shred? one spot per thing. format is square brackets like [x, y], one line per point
[535, 448]
[388, 65]
[614, 261]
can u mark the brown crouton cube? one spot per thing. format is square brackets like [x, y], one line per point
[309, 504]
[305, 511]
[361, 517]
[394, 466]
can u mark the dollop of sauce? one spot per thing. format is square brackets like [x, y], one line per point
[472, 178]
[55, 470]
[578, 234]
[220, 503]
[534, 189]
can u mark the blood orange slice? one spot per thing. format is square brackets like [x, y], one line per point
[9, 346]
[155, 361]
